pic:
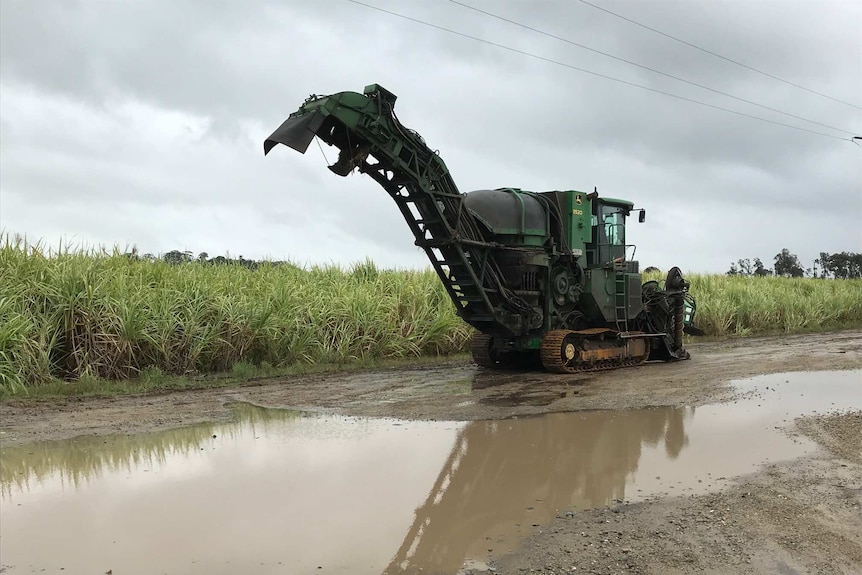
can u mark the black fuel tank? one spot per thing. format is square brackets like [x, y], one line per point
[508, 212]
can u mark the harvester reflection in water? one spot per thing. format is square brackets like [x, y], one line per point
[503, 478]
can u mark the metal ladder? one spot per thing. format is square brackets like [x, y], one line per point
[434, 234]
[621, 302]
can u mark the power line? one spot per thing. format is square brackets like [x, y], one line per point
[548, 34]
[570, 66]
[696, 47]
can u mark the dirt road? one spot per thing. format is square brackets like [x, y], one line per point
[803, 516]
[449, 390]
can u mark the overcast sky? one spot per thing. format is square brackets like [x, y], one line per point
[142, 122]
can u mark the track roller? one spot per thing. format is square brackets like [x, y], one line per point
[567, 351]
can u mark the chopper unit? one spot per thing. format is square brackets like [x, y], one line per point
[539, 275]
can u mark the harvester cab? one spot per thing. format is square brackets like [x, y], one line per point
[609, 231]
[541, 276]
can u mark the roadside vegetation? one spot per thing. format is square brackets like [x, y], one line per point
[94, 317]
[106, 316]
[745, 306]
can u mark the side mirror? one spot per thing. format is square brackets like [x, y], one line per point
[642, 216]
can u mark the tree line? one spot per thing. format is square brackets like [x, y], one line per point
[177, 257]
[844, 265]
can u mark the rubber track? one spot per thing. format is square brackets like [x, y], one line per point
[479, 347]
[553, 361]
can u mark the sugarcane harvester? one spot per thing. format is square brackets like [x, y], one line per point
[537, 274]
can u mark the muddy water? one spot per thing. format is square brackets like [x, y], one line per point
[281, 492]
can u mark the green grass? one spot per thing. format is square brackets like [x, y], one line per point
[94, 323]
[744, 306]
[97, 315]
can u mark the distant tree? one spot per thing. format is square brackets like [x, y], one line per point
[177, 257]
[744, 267]
[846, 265]
[823, 260]
[652, 269]
[787, 265]
[759, 270]
[202, 257]
[854, 265]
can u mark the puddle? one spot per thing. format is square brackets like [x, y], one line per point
[535, 394]
[282, 492]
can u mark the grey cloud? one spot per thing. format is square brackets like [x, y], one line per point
[498, 118]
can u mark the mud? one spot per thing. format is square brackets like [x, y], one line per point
[448, 391]
[661, 469]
